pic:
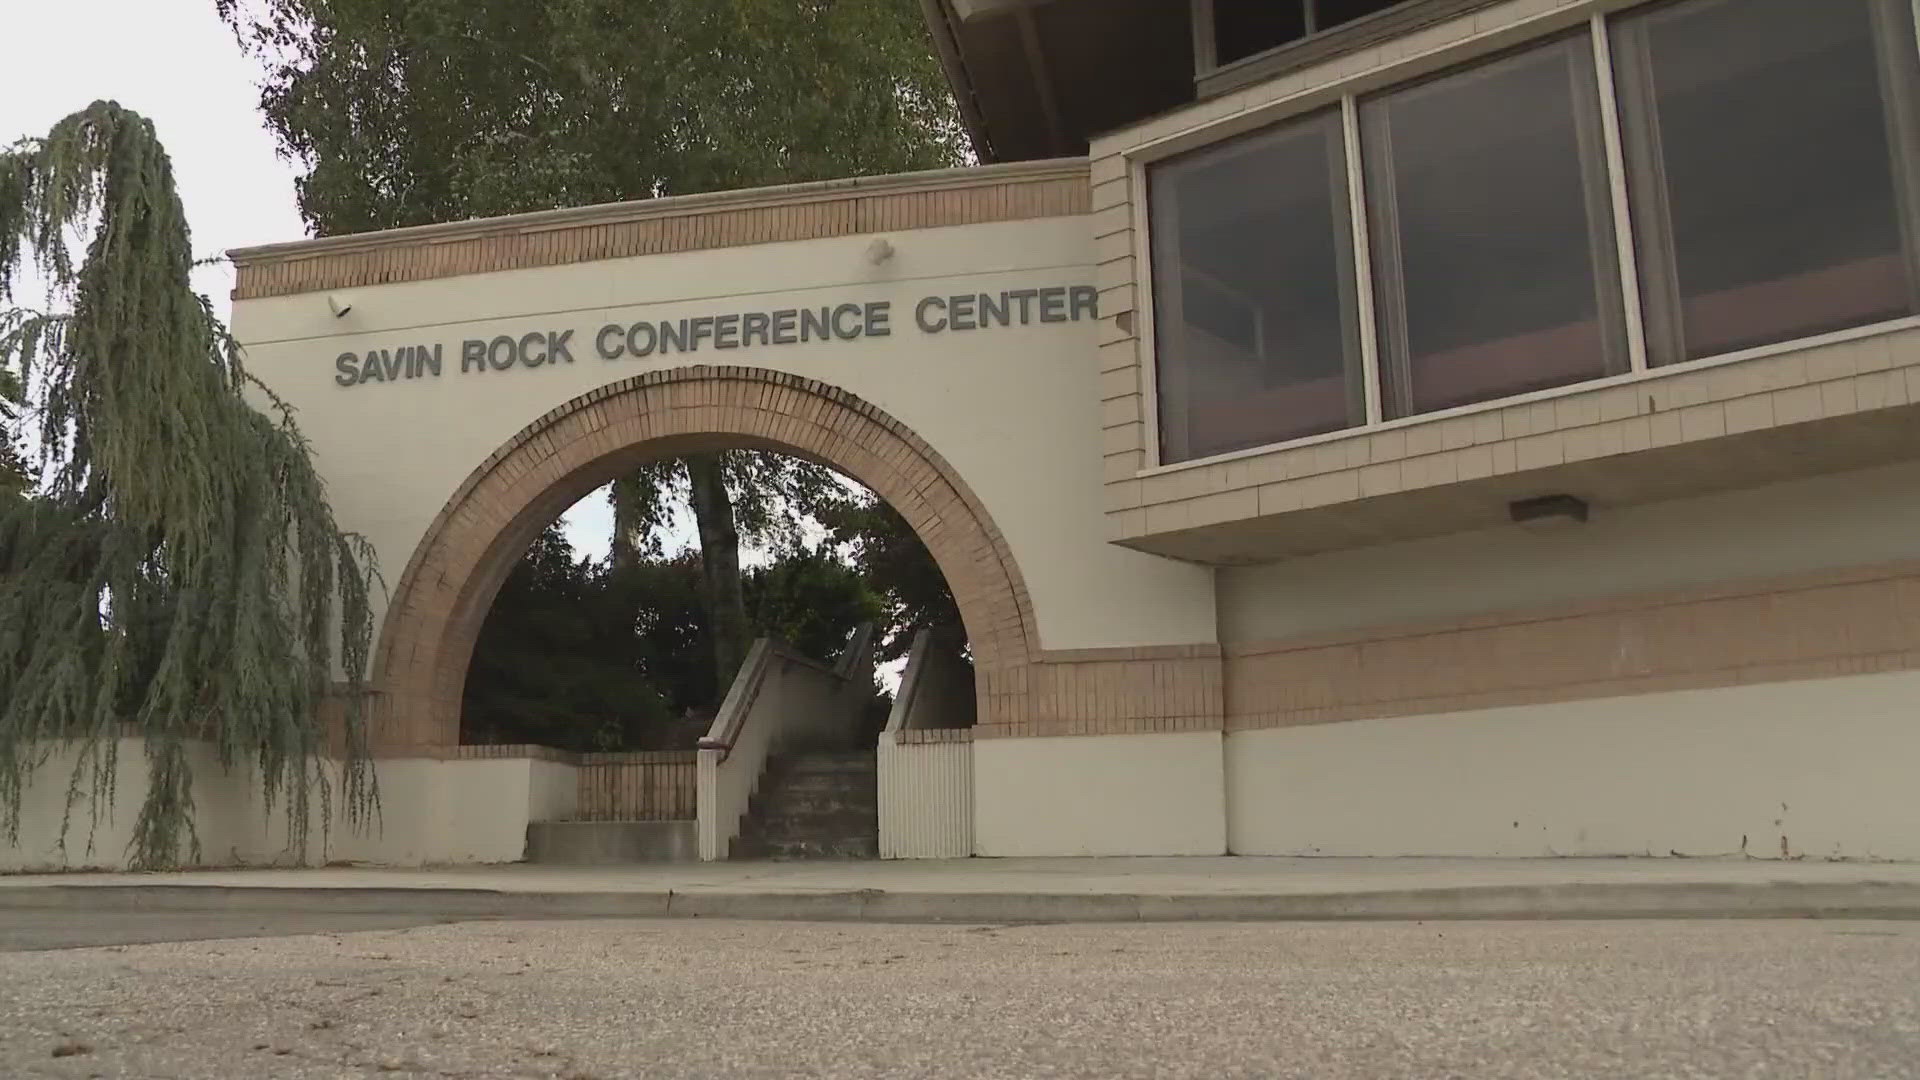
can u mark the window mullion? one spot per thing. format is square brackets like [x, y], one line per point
[1362, 258]
[1205, 53]
[1617, 185]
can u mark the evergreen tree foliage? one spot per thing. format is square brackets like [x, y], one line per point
[13, 471]
[177, 572]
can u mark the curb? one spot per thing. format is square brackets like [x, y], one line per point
[1684, 900]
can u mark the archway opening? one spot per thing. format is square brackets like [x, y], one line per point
[623, 625]
[467, 554]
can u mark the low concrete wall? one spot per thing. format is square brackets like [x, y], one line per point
[1100, 795]
[1822, 769]
[431, 811]
[612, 843]
[554, 794]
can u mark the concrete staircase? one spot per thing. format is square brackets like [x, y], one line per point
[817, 804]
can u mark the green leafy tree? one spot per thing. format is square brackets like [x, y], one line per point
[893, 562]
[555, 664]
[584, 656]
[178, 569]
[408, 112]
[414, 111]
[810, 600]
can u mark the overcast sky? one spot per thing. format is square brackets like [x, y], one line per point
[176, 63]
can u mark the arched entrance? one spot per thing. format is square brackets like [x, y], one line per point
[442, 597]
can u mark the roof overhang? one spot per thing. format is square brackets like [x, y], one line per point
[1038, 78]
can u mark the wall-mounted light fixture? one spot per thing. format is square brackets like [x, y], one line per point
[339, 305]
[1548, 511]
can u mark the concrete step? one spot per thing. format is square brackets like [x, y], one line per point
[849, 847]
[604, 843]
[828, 767]
[819, 784]
[788, 800]
[845, 823]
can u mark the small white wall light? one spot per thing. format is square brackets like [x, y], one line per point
[1548, 511]
[339, 305]
[879, 251]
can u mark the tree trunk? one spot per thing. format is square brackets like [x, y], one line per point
[720, 567]
[624, 554]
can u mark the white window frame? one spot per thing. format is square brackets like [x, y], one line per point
[1346, 91]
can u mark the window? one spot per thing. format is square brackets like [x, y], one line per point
[1255, 312]
[1770, 151]
[1492, 232]
[1242, 28]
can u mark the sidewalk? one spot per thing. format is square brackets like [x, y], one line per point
[1029, 890]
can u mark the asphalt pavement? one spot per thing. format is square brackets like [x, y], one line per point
[32, 930]
[593, 1000]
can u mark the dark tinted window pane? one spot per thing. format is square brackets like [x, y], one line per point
[1493, 244]
[1253, 292]
[1331, 13]
[1244, 27]
[1765, 195]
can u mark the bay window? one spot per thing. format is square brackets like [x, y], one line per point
[1766, 154]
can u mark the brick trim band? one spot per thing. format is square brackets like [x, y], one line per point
[660, 226]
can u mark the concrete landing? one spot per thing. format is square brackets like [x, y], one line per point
[1030, 890]
[612, 843]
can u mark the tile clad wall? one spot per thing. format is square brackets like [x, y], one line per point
[1161, 689]
[1811, 626]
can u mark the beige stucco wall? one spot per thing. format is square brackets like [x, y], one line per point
[1818, 769]
[431, 812]
[1099, 795]
[1844, 520]
[1015, 411]
[553, 791]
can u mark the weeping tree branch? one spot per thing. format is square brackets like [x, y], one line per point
[178, 569]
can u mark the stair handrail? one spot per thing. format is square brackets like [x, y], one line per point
[910, 683]
[858, 655]
[745, 690]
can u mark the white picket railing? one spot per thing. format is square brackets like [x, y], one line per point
[779, 699]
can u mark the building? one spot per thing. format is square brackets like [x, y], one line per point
[1447, 427]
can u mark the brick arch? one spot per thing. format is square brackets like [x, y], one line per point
[440, 600]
